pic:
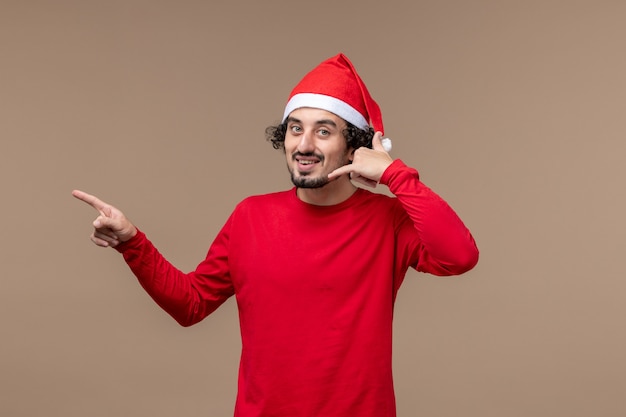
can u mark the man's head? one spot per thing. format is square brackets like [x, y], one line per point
[330, 104]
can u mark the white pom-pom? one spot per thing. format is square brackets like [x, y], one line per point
[386, 142]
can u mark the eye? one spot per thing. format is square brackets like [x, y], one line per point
[324, 132]
[295, 129]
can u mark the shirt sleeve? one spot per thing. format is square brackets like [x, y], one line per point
[446, 246]
[187, 297]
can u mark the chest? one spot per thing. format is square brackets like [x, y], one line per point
[337, 252]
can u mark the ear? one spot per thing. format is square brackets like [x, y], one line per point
[351, 154]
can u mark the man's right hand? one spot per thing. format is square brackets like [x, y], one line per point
[111, 227]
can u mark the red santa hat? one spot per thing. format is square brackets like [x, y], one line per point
[335, 86]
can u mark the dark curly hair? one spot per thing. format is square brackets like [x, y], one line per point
[355, 137]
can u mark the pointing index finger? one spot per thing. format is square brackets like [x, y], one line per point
[92, 200]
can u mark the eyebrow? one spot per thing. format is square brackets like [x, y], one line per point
[329, 122]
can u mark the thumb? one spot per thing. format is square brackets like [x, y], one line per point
[103, 221]
[377, 142]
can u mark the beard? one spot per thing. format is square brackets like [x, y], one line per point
[309, 182]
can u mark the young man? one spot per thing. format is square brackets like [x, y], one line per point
[315, 269]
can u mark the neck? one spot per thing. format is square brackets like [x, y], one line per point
[334, 192]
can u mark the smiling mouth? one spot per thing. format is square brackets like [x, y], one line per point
[307, 161]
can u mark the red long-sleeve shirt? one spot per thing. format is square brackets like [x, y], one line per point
[315, 288]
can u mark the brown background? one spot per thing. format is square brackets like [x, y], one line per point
[513, 111]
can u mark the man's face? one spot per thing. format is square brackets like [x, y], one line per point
[314, 146]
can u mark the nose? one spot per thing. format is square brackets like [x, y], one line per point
[307, 142]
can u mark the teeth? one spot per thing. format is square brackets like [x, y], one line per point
[306, 162]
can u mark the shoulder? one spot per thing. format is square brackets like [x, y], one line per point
[366, 196]
[376, 203]
[265, 202]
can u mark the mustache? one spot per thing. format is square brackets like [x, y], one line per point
[307, 155]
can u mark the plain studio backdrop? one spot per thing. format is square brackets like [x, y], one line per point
[513, 111]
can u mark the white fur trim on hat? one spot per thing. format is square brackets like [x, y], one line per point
[328, 103]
